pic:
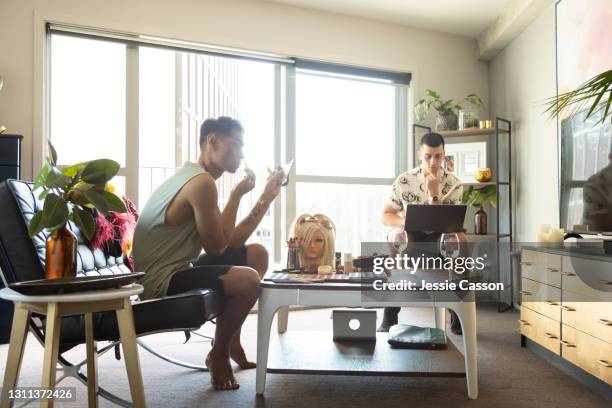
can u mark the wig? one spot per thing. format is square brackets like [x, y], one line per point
[304, 228]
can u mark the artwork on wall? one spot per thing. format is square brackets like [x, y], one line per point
[467, 159]
[584, 38]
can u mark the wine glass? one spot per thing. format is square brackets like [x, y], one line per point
[449, 246]
[398, 238]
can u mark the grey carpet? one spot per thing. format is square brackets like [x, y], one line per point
[509, 376]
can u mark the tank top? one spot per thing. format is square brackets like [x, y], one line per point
[159, 249]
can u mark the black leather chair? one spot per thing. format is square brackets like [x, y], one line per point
[23, 258]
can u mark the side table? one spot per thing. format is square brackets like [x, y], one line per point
[56, 306]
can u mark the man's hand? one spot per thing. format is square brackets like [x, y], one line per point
[246, 184]
[432, 183]
[273, 184]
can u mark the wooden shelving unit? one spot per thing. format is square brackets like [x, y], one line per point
[467, 132]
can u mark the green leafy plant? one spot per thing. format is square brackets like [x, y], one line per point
[443, 107]
[592, 92]
[478, 197]
[72, 193]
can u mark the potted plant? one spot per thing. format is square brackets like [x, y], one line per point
[446, 118]
[477, 198]
[591, 92]
[72, 193]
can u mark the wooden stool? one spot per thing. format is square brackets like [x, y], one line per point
[56, 306]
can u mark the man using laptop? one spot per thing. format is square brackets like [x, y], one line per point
[428, 184]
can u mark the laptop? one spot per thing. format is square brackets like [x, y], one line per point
[434, 218]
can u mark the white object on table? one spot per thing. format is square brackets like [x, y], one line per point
[56, 306]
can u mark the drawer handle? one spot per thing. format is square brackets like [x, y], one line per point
[527, 263]
[568, 309]
[526, 293]
[524, 322]
[550, 335]
[604, 363]
[568, 274]
[605, 322]
[551, 303]
[567, 343]
[552, 269]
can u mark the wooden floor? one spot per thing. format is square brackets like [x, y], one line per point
[314, 352]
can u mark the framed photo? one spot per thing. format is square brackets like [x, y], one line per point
[465, 159]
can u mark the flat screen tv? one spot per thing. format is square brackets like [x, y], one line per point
[586, 172]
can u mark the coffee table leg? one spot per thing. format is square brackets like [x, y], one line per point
[52, 336]
[125, 320]
[92, 362]
[19, 334]
[440, 315]
[282, 318]
[265, 314]
[467, 316]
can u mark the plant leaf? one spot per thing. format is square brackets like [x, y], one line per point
[41, 179]
[85, 221]
[36, 224]
[52, 154]
[99, 171]
[43, 194]
[98, 199]
[55, 179]
[73, 170]
[114, 203]
[55, 211]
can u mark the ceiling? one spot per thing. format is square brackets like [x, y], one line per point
[463, 17]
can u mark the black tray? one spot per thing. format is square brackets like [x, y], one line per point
[76, 284]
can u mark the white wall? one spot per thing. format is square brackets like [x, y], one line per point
[521, 77]
[441, 61]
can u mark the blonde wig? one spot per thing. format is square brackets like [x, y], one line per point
[304, 228]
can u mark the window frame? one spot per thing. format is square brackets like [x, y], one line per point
[284, 209]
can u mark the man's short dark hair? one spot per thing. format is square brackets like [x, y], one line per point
[223, 126]
[432, 139]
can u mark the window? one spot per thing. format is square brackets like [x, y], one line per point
[142, 103]
[88, 93]
[347, 152]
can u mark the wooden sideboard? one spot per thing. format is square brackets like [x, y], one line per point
[567, 306]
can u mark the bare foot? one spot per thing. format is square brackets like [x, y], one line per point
[221, 375]
[238, 355]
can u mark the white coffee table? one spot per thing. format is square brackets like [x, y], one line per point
[276, 296]
[56, 306]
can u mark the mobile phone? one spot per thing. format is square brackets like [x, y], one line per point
[286, 168]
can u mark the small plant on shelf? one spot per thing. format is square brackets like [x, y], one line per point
[446, 118]
[477, 197]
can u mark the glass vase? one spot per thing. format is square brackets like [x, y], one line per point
[60, 257]
[468, 118]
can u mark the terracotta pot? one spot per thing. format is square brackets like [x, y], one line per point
[60, 257]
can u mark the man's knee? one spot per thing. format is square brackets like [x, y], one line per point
[241, 279]
[257, 257]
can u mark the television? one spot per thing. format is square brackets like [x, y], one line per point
[586, 172]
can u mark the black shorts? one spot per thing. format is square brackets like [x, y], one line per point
[206, 271]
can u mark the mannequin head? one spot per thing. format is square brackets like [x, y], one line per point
[317, 236]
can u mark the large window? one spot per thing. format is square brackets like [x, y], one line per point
[347, 152]
[142, 105]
